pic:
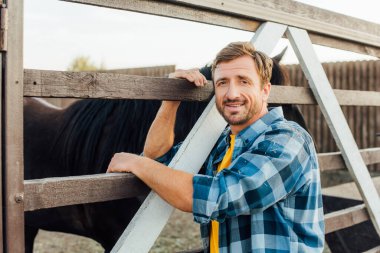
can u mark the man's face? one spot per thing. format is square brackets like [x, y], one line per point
[239, 96]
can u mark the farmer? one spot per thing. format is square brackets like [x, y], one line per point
[261, 188]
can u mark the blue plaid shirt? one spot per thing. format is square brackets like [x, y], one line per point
[269, 198]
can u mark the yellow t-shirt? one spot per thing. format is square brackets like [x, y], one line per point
[214, 234]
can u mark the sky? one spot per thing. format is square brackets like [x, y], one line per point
[57, 32]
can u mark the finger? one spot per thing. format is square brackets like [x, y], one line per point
[196, 81]
[204, 79]
[200, 79]
[197, 77]
[190, 76]
[109, 169]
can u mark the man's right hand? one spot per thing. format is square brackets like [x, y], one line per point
[192, 75]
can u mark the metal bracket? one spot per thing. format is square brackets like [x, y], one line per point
[3, 27]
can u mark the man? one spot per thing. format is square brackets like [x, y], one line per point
[261, 189]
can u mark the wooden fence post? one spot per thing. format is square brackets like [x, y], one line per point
[12, 144]
[1, 159]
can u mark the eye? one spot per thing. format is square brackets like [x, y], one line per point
[244, 81]
[221, 83]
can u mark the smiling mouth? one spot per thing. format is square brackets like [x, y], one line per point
[234, 107]
[233, 103]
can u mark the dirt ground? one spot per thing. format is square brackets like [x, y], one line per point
[180, 234]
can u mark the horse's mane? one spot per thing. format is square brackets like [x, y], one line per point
[93, 130]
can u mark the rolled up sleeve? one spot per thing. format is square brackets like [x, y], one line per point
[168, 156]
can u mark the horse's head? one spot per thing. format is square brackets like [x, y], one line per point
[280, 74]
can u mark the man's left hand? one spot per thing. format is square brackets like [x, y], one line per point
[125, 162]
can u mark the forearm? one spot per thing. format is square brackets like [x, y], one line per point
[174, 186]
[160, 137]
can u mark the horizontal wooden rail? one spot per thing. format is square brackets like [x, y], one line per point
[345, 218]
[350, 216]
[326, 27]
[349, 190]
[60, 191]
[334, 160]
[47, 83]
[63, 191]
[358, 98]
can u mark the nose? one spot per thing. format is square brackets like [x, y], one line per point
[233, 91]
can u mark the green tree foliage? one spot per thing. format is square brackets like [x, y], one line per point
[83, 63]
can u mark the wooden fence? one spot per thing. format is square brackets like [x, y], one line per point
[324, 28]
[156, 71]
[364, 121]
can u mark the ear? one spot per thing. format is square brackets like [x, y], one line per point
[266, 91]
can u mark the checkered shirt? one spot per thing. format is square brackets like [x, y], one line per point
[269, 198]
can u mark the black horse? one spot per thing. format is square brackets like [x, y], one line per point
[81, 140]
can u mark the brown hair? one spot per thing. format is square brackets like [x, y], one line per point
[235, 50]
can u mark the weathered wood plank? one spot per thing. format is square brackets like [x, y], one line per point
[334, 160]
[62, 191]
[374, 112]
[344, 45]
[328, 28]
[2, 168]
[13, 131]
[299, 15]
[348, 190]
[157, 71]
[363, 114]
[345, 218]
[376, 117]
[170, 9]
[271, 32]
[329, 105]
[3, 28]
[47, 83]
[371, 116]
